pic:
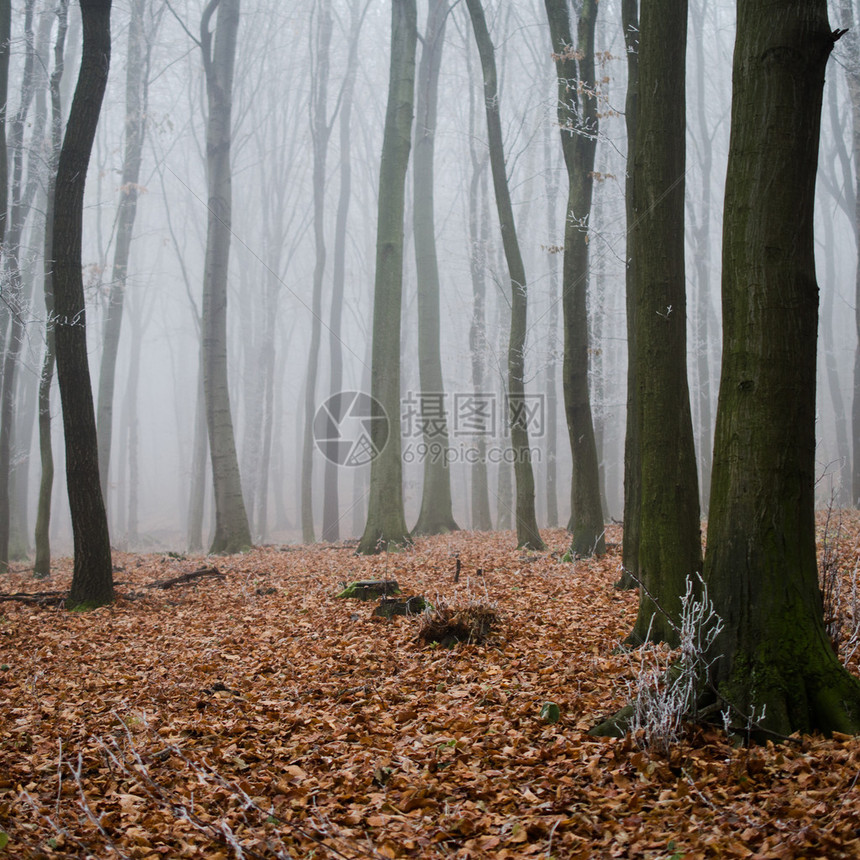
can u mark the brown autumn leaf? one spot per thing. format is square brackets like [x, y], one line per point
[262, 709]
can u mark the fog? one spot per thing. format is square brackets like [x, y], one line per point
[273, 256]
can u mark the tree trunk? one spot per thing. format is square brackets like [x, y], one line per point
[702, 257]
[852, 76]
[761, 566]
[840, 495]
[42, 563]
[199, 452]
[331, 496]
[386, 521]
[320, 133]
[578, 121]
[551, 370]
[22, 194]
[436, 516]
[478, 246]
[132, 433]
[232, 533]
[92, 580]
[5, 49]
[135, 130]
[528, 534]
[632, 452]
[670, 540]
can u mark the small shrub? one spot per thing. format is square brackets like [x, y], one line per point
[840, 594]
[665, 690]
[450, 623]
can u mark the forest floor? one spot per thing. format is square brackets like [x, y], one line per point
[257, 715]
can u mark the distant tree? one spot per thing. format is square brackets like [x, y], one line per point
[528, 534]
[321, 127]
[232, 532]
[701, 247]
[92, 579]
[632, 452]
[551, 366]
[851, 67]
[436, 516]
[578, 123]
[136, 111]
[5, 50]
[775, 659]
[331, 503]
[386, 520]
[479, 229]
[42, 562]
[24, 181]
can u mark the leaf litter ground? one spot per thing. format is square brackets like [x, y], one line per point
[258, 716]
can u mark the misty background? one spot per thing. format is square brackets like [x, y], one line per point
[156, 407]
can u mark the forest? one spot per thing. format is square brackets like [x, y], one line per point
[452, 412]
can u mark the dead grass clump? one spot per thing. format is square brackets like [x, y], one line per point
[448, 624]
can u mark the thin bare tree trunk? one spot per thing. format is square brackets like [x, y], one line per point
[42, 563]
[136, 98]
[528, 534]
[386, 520]
[232, 532]
[320, 133]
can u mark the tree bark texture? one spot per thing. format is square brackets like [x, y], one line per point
[436, 515]
[578, 121]
[528, 534]
[761, 566]
[92, 579]
[670, 540]
[386, 520]
[232, 532]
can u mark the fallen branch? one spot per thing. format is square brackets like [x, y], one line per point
[188, 577]
[40, 598]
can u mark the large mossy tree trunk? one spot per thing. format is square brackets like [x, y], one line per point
[761, 567]
[578, 122]
[136, 86]
[232, 532]
[528, 535]
[670, 540]
[436, 515]
[92, 578]
[632, 453]
[386, 519]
